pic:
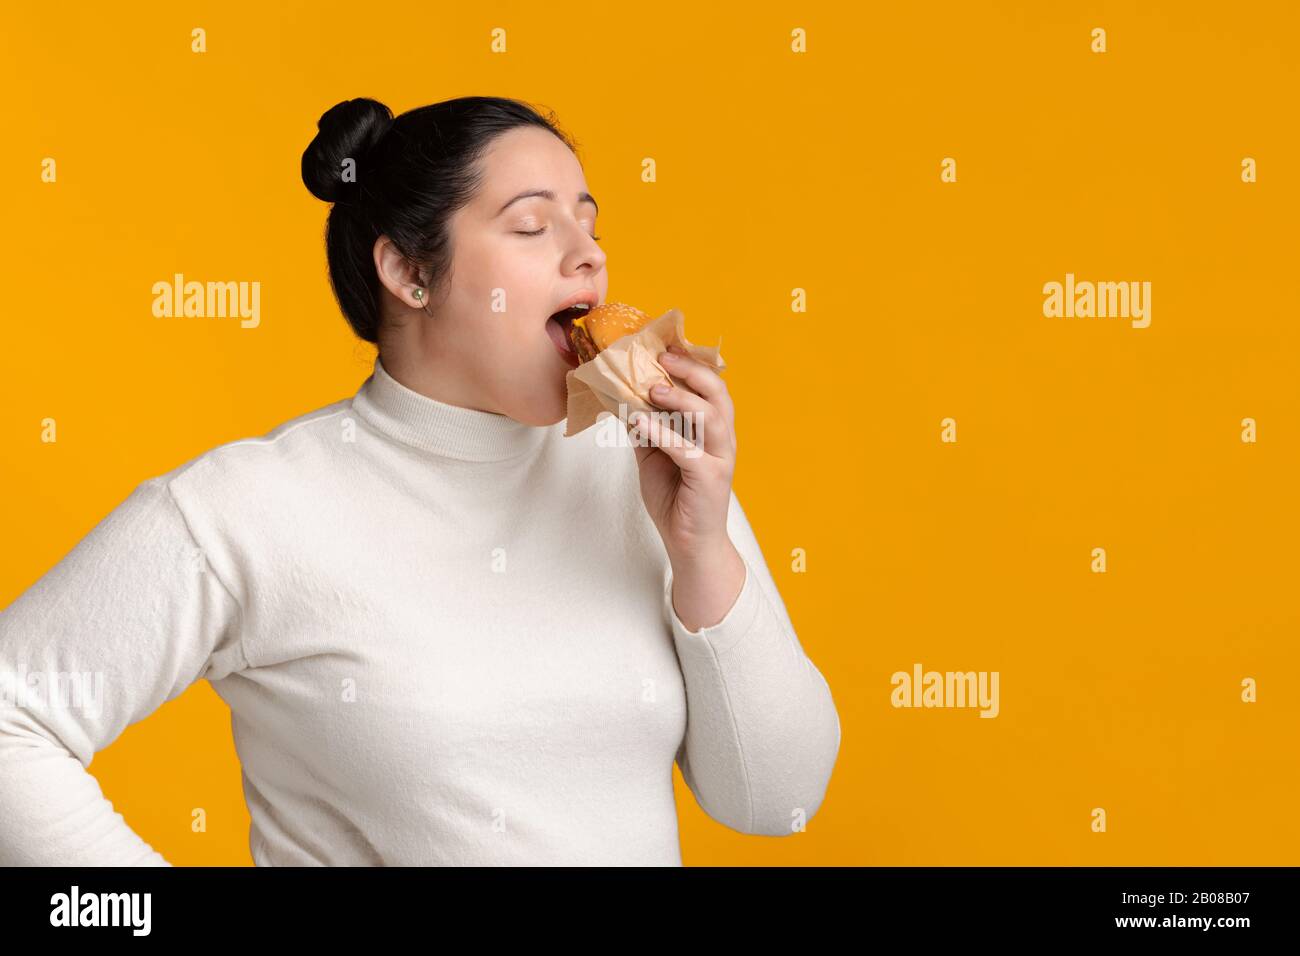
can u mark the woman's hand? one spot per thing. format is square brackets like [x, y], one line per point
[686, 486]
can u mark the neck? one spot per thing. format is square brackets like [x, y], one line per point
[403, 412]
[411, 352]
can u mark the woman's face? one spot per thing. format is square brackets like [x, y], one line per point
[487, 341]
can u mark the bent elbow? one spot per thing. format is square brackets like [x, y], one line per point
[788, 806]
[789, 816]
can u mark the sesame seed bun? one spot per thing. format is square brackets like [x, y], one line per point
[604, 325]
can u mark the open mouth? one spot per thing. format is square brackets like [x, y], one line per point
[559, 326]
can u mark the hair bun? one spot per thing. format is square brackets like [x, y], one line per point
[346, 130]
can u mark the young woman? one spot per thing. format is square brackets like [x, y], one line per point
[447, 633]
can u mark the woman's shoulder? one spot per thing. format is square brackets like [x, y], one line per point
[253, 466]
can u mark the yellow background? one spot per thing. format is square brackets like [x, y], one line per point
[775, 171]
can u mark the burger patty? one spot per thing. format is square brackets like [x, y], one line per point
[578, 336]
[582, 343]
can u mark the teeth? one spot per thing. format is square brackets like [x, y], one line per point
[566, 315]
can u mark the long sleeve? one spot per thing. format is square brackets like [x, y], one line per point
[126, 621]
[762, 732]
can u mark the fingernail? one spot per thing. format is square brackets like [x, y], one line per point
[659, 391]
[667, 356]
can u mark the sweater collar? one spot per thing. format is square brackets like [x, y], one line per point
[451, 431]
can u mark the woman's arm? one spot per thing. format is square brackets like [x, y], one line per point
[123, 623]
[762, 732]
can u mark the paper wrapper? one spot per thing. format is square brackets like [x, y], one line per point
[623, 374]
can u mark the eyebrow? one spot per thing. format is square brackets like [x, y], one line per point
[546, 194]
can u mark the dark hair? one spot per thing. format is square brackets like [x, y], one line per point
[403, 178]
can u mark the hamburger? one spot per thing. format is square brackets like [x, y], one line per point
[591, 330]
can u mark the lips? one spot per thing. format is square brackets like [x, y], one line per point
[587, 297]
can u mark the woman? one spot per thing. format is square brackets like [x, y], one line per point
[447, 633]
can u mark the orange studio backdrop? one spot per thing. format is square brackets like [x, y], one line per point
[1006, 294]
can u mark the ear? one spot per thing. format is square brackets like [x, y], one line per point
[398, 275]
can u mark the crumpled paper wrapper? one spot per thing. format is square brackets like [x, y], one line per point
[623, 374]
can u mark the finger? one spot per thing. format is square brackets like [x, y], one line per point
[649, 428]
[699, 421]
[642, 448]
[699, 377]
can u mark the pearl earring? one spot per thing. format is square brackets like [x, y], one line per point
[419, 293]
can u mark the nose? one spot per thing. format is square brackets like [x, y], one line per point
[583, 253]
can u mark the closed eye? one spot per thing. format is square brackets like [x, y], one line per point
[538, 232]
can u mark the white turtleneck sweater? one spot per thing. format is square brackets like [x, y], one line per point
[445, 637]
